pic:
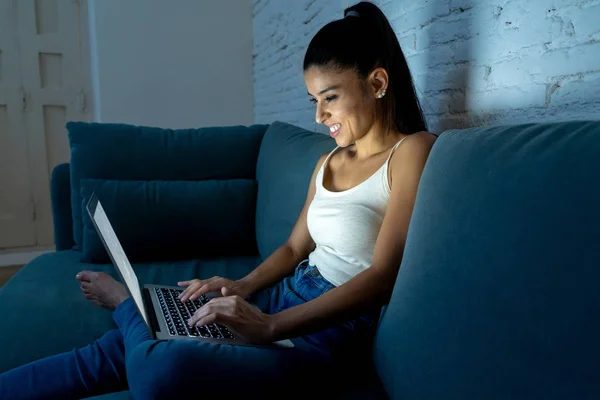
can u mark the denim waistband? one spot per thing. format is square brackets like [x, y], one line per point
[312, 270]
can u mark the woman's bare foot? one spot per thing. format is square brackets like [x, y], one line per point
[101, 289]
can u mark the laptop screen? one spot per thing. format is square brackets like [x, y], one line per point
[116, 253]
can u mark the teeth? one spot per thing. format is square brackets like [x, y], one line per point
[334, 128]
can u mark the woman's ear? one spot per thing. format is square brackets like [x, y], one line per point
[378, 82]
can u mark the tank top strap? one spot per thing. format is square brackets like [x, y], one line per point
[394, 149]
[385, 180]
[329, 156]
[321, 173]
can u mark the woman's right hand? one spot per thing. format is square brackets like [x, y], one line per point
[222, 286]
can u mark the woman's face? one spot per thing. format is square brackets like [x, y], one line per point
[342, 101]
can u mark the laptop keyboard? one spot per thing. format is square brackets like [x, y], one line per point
[177, 313]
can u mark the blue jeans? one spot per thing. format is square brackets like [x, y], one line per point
[128, 357]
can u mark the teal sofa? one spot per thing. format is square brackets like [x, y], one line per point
[498, 292]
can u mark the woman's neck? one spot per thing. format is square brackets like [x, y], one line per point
[376, 140]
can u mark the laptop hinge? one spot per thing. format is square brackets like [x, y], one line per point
[150, 312]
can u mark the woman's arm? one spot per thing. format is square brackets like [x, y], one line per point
[284, 260]
[372, 287]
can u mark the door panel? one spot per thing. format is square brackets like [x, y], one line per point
[17, 228]
[52, 42]
[44, 57]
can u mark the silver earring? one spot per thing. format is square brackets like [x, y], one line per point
[381, 94]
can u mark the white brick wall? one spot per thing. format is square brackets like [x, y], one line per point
[474, 62]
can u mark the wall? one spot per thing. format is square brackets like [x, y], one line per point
[176, 64]
[474, 62]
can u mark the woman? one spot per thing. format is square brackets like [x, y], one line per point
[350, 234]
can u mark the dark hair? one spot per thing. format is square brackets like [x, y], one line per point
[364, 40]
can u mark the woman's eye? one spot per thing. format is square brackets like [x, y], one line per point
[328, 99]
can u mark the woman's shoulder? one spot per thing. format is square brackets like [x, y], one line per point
[418, 141]
[414, 147]
[422, 137]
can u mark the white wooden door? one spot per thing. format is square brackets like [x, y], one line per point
[53, 85]
[17, 227]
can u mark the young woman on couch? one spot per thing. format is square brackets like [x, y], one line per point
[323, 288]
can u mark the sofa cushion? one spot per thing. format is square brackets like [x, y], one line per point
[172, 220]
[45, 292]
[497, 295]
[128, 152]
[288, 156]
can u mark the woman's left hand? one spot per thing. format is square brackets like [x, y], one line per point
[243, 319]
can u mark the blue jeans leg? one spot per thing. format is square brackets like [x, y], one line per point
[184, 369]
[92, 370]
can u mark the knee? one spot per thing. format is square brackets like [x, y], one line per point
[111, 345]
[151, 369]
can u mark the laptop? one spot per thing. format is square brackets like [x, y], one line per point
[164, 314]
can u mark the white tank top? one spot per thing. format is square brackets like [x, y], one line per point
[344, 225]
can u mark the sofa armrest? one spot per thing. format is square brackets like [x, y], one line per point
[60, 192]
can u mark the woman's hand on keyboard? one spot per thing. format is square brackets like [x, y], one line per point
[197, 287]
[241, 317]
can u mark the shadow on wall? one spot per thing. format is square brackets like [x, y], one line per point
[448, 33]
[490, 65]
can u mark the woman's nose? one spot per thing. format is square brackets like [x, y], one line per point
[321, 115]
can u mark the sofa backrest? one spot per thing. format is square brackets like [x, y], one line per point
[498, 292]
[288, 156]
[170, 183]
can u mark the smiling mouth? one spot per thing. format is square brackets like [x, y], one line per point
[334, 129]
